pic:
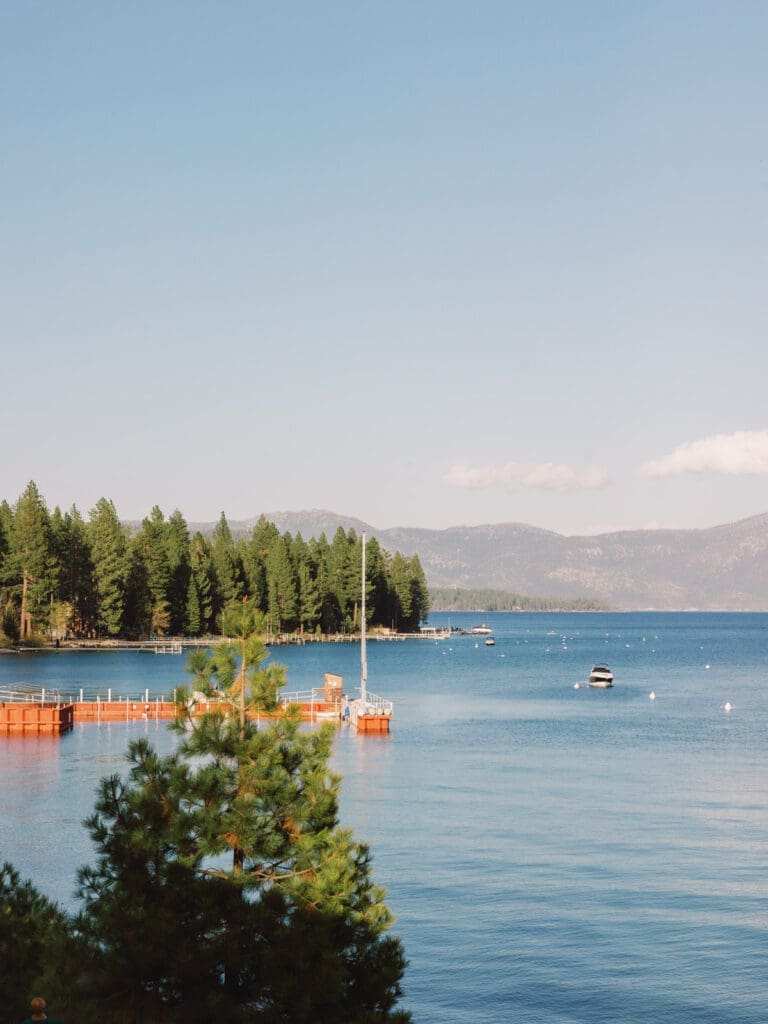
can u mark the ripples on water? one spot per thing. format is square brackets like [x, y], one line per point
[552, 855]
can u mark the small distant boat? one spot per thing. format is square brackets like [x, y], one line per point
[481, 629]
[489, 641]
[601, 677]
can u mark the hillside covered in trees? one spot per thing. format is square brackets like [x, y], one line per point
[62, 575]
[458, 599]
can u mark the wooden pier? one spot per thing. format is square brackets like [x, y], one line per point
[180, 645]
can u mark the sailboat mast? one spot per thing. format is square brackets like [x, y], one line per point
[363, 659]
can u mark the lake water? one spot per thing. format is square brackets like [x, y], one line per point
[552, 854]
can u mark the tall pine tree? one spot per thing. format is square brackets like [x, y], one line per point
[108, 549]
[181, 573]
[152, 543]
[202, 577]
[73, 554]
[226, 566]
[32, 560]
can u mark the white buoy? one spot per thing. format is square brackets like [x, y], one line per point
[651, 695]
[706, 666]
[575, 686]
[727, 706]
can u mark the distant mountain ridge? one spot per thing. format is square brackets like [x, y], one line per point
[724, 568]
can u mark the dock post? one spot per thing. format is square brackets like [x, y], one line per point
[81, 695]
[109, 695]
[42, 696]
[146, 695]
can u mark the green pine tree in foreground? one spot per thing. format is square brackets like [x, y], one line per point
[34, 942]
[224, 887]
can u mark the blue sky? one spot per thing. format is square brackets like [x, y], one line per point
[425, 263]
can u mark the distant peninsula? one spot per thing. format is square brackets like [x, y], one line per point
[447, 599]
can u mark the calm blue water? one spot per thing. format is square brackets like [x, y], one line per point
[552, 854]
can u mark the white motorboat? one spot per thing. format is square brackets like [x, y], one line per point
[601, 677]
[489, 642]
[478, 630]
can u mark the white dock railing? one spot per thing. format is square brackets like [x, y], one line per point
[29, 695]
[374, 705]
[95, 695]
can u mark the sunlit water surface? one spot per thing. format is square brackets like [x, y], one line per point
[552, 854]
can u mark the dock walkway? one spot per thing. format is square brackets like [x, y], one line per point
[178, 645]
[39, 712]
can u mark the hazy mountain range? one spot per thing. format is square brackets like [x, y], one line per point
[722, 568]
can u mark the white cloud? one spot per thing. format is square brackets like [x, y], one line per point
[545, 476]
[742, 453]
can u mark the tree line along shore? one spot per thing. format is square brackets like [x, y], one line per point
[63, 575]
[457, 599]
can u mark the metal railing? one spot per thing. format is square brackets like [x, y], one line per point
[29, 695]
[46, 695]
[375, 705]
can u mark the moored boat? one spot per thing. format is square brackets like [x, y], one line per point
[601, 677]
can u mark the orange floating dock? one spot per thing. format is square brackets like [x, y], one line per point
[38, 712]
[122, 710]
[35, 718]
[21, 718]
[373, 723]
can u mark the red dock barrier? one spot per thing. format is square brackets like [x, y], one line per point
[27, 718]
[21, 718]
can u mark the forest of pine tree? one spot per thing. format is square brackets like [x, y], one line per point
[455, 599]
[64, 575]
